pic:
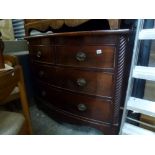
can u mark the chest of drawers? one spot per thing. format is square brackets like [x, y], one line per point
[79, 77]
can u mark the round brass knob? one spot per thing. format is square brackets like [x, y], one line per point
[81, 82]
[81, 107]
[38, 54]
[81, 56]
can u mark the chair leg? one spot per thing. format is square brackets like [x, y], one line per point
[24, 130]
[24, 101]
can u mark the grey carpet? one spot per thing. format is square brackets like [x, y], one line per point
[44, 125]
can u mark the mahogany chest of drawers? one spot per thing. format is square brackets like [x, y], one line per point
[79, 77]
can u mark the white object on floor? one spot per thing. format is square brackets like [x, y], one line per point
[10, 122]
[7, 67]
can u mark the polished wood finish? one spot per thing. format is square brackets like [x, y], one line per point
[40, 41]
[8, 81]
[42, 53]
[83, 83]
[86, 34]
[59, 114]
[83, 106]
[93, 56]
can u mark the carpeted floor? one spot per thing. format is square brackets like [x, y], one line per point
[44, 125]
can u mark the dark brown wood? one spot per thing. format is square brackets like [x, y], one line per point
[75, 39]
[2, 65]
[61, 115]
[79, 84]
[83, 33]
[8, 81]
[42, 53]
[119, 75]
[93, 56]
[81, 105]
[42, 41]
[89, 82]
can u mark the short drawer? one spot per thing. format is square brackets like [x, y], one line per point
[81, 105]
[84, 81]
[86, 56]
[42, 53]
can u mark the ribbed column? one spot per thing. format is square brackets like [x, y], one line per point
[119, 76]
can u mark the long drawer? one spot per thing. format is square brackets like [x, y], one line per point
[79, 80]
[89, 39]
[86, 56]
[81, 105]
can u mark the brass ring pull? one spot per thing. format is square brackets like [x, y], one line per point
[81, 56]
[81, 107]
[81, 82]
[38, 54]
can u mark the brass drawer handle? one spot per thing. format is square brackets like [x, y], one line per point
[81, 82]
[81, 56]
[81, 107]
[38, 54]
[41, 73]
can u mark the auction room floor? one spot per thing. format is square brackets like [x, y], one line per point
[44, 125]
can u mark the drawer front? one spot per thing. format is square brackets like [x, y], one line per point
[89, 82]
[41, 41]
[86, 40]
[42, 53]
[92, 108]
[86, 56]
